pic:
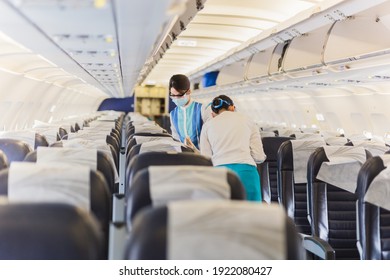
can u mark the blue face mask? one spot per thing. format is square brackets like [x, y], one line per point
[181, 101]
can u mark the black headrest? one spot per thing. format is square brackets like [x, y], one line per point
[48, 232]
[149, 236]
[15, 150]
[3, 160]
[136, 149]
[147, 159]
[40, 140]
[139, 196]
[99, 196]
[271, 146]
[315, 161]
[285, 157]
[369, 170]
[103, 165]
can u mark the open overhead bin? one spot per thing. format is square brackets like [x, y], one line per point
[304, 55]
[258, 65]
[266, 64]
[232, 73]
[360, 41]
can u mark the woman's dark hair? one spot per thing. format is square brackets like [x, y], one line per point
[221, 102]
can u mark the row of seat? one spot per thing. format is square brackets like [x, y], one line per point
[321, 197]
[83, 179]
[180, 207]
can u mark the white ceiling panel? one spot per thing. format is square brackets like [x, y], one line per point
[222, 25]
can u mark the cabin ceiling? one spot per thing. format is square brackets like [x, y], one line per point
[107, 47]
[99, 45]
[221, 26]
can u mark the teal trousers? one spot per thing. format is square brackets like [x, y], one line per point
[249, 177]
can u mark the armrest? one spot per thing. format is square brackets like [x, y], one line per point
[319, 247]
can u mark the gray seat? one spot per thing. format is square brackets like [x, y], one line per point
[15, 150]
[143, 160]
[3, 160]
[103, 165]
[99, 196]
[291, 189]
[373, 218]
[158, 147]
[331, 205]
[196, 230]
[137, 138]
[268, 168]
[157, 185]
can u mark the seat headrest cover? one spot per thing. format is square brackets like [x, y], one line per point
[142, 121]
[49, 132]
[86, 157]
[379, 191]
[143, 139]
[336, 141]
[26, 136]
[168, 183]
[66, 183]
[343, 166]
[267, 134]
[374, 147]
[302, 150]
[88, 135]
[308, 136]
[288, 132]
[148, 128]
[100, 145]
[226, 230]
[163, 145]
[85, 143]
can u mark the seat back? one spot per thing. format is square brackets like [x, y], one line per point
[158, 185]
[3, 160]
[15, 150]
[332, 178]
[291, 179]
[48, 232]
[162, 145]
[373, 211]
[144, 137]
[374, 147]
[268, 168]
[205, 230]
[64, 183]
[97, 160]
[33, 139]
[143, 160]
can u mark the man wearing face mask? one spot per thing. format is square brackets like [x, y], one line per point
[188, 117]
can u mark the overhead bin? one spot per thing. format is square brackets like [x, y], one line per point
[267, 63]
[305, 53]
[360, 40]
[232, 73]
[275, 65]
[258, 64]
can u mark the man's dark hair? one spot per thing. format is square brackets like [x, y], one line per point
[179, 82]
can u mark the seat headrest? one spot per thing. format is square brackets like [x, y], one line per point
[378, 192]
[47, 232]
[343, 165]
[211, 230]
[15, 150]
[31, 182]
